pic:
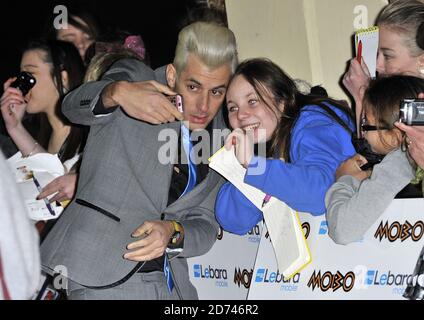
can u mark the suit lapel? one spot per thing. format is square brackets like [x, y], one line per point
[153, 176]
[156, 177]
[195, 196]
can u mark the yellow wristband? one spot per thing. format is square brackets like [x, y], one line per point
[178, 232]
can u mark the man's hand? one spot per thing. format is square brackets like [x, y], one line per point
[156, 238]
[243, 145]
[64, 187]
[144, 101]
[351, 167]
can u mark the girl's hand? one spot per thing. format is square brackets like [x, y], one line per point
[13, 106]
[243, 145]
[352, 167]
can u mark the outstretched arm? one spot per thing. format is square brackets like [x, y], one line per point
[317, 152]
[354, 206]
[129, 84]
[234, 212]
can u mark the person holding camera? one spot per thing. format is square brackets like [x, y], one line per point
[56, 68]
[399, 50]
[358, 198]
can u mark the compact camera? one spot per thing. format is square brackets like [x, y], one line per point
[412, 112]
[24, 82]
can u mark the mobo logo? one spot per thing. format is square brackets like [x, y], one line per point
[220, 234]
[243, 277]
[306, 229]
[334, 282]
[398, 231]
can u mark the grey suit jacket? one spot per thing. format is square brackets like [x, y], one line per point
[121, 185]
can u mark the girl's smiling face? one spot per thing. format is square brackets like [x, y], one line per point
[246, 110]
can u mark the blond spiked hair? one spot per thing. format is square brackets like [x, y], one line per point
[213, 44]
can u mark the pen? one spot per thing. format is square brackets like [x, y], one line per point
[49, 207]
[359, 54]
[266, 200]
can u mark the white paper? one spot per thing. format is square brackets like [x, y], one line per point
[286, 234]
[226, 164]
[369, 38]
[45, 167]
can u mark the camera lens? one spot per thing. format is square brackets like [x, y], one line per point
[24, 82]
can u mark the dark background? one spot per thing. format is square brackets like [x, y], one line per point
[158, 22]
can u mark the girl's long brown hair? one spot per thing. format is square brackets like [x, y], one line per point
[270, 81]
[62, 56]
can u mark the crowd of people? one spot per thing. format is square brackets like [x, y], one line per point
[134, 219]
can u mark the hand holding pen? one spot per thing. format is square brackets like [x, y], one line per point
[46, 201]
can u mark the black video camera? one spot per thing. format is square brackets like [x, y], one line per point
[24, 82]
[412, 112]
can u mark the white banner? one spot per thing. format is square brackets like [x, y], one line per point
[225, 272]
[377, 267]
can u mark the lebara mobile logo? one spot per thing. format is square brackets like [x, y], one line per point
[323, 229]
[397, 231]
[398, 282]
[370, 277]
[264, 275]
[243, 277]
[254, 235]
[208, 273]
[329, 281]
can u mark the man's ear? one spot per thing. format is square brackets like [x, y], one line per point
[171, 76]
[65, 80]
[421, 65]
